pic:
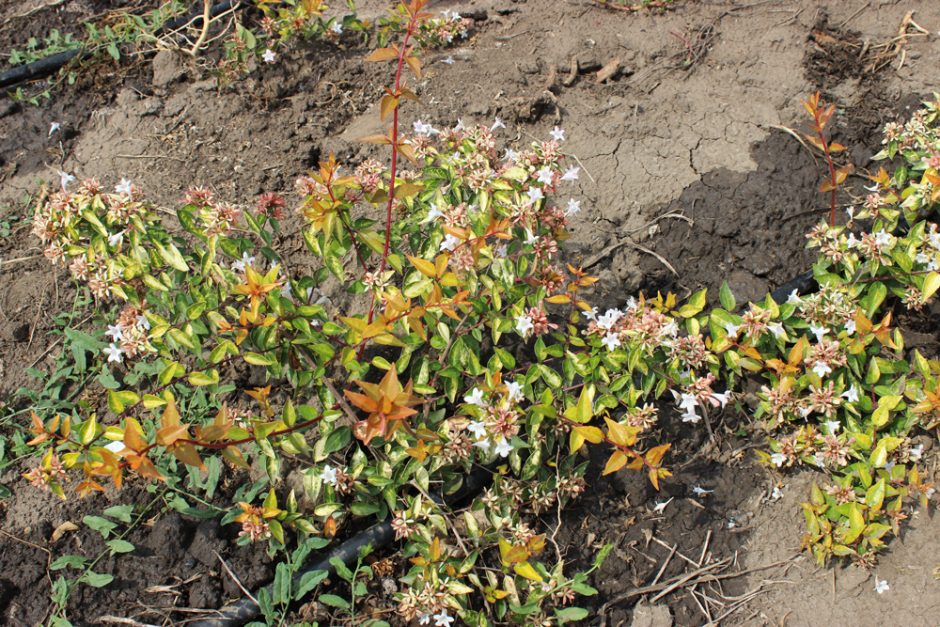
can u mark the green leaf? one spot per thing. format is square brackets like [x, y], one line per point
[571, 614]
[68, 561]
[333, 601]
[309, 581]
[120, 512]
[99, 524]
[172, 256]
[726, 297]
[96, 580]
[931, 285]
[876, 495]
[256, 359]
[120, 546]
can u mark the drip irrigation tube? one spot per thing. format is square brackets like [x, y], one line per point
[377, 536]
[53, 63]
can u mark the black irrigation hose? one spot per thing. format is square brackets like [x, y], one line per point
[377, 536]
[53, 63]
[803, 284]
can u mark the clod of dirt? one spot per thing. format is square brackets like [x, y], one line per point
[167, 68]
[651, 616]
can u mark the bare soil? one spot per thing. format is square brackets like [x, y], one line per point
[689, 177]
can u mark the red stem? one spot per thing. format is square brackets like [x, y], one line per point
[832, 168]
[412, 24]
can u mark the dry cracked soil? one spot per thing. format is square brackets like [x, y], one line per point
[681, 122]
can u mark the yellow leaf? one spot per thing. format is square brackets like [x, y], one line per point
[526, 570]
[617, 461]
[559, 299]
[619, 434]
[423, 266]
[591, 434]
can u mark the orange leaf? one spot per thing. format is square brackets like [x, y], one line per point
[655, 455]
[387, 105]
[414, 64]
[383, 54]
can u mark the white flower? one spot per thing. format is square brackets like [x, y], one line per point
[833, 426]
[114, 353]
[510, 155]
[850, 241]
[850, 326]
[444, 619]
[851, 213]
[116, 239]
[778, 459]
[883, 239]
[632, 303]
[328, 475]
[450, 242]
[337, 28]
[609, 319]
[497, 124]
[483, 444]
[691, 416]
[286, 290]
[574, 206]
[530, 238]
[722, 398]
[590, 314]
[881, 586]
[115, 332]
[535, 194]
[571, 174]
[821, 369]
[425, 619]
[124, 187]
[460, 126]
[478, 429]
[916, 453]
[545, 176]
[142, 322]
[54, 127]
[819, 331]
[558, 134]
[244, 262]
[448, 61]
[115, 447]
[269, 56]
[475, 397]
[934, 240]
[660, 506]
[65, 179]
[670, 329]
[776, 494]
[523, 325]
[514, 391]
[851, 395]
[794, 298]
[503, 447]
[777, 330]
[611, 341]
[732, 329]
[701, 491]
[421, 128]
[433, 214]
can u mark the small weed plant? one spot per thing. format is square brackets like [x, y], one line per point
[465, 343]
